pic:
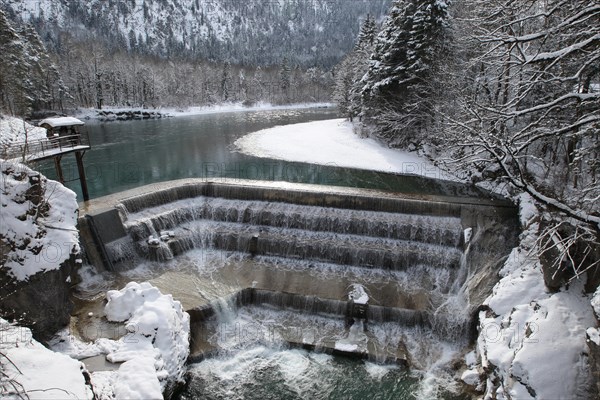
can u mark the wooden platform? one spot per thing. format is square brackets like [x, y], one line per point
[41, 149]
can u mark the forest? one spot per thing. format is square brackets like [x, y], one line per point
[173, 53]
[89, 74]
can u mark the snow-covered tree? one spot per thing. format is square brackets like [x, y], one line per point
[396, 94]
[528, 110]
[225, 85]
[29, 80]
[348, 87]
[368, 32]
[285, 79]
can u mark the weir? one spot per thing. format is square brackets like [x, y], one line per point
[426, 262]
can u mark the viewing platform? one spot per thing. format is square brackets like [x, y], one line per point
[63, 136]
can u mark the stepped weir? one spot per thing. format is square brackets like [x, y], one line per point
[355, 262]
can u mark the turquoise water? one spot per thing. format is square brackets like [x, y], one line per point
[263, 373]
[129, 154]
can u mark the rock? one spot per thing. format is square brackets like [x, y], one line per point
[471, 377]
[42, 302]
[39, 249]
[593, 341]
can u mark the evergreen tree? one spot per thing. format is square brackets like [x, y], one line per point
[396, 95]
[28, 79]
[15, 88]
[226, 81]
[368, 32]
[49, 89]
[348, 88]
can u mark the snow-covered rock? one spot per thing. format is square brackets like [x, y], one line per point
[528, 334]
[471, 377]
[358, 294]
[39, 218]
[596, 302]
[37, 373]
[156, 348]
[39, 245]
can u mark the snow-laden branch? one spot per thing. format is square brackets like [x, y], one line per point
[519, 181]
[561, 53]
[569, 23]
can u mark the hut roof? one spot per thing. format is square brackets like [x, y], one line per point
[61, 121]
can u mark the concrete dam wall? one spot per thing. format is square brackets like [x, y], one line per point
[424, 260]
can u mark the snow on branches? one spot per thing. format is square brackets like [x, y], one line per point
[531, 110]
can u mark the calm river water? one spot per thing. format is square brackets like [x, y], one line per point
[129, 154]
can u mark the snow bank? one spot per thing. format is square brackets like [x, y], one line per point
[39, 373]
[153, 352]
[156, 348]
[530, 335]
[237, 107]
[333, 142]
[38, 221]
[91, 113]
[13, 130]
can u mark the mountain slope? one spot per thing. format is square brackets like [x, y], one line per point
[254, 32]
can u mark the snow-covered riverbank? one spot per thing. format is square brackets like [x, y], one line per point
[334, 143]
[95, 114]
[528, 336]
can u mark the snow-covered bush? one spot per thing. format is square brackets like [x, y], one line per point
[156, 347]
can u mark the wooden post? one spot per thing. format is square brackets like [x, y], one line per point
[81, 170]
[59, 171]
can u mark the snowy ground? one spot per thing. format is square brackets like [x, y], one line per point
[333, 142]
[15, 130]
[91, 113]
[31, 371]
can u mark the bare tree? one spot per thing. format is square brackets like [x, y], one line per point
[530, 109]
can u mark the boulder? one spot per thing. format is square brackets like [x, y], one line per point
[41, 302]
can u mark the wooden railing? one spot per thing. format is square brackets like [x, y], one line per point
[41, 148]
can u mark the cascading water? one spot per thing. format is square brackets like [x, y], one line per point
[264, 273]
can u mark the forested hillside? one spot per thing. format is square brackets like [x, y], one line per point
[180, 53]
[256, 32]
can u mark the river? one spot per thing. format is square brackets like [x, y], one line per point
[129, 154]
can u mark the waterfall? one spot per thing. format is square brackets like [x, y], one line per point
[346, 237]
[383, 277]
[225, 309]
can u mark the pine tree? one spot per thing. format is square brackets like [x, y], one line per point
[348, 87]
[226, 81]
[367, 34]
[28, 78]
[15, 88]
[49, 89]
[396, 95]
